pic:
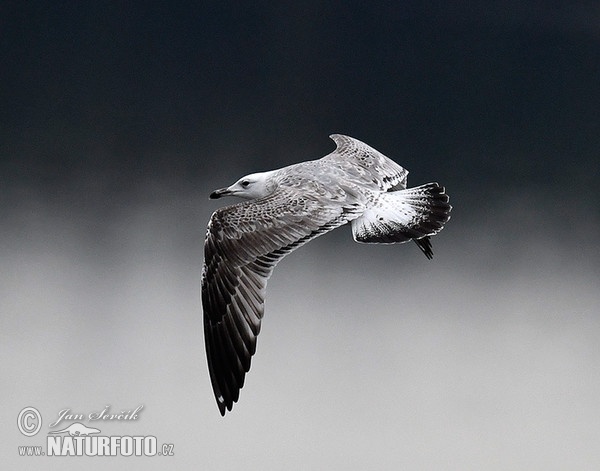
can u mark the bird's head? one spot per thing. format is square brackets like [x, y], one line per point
[249, 187]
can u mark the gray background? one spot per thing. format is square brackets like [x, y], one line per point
[118, 121]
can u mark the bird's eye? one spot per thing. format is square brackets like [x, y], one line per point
[245, 183]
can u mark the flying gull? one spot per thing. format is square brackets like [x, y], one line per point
[287, 208]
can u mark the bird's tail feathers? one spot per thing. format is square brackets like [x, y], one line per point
[398, 216]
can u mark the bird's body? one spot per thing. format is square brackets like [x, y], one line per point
[287, 208]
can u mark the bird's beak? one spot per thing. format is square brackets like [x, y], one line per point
[219, 193]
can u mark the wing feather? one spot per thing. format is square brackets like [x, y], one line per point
[243, 244]
[376, 167]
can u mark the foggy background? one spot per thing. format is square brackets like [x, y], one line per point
[118, 121]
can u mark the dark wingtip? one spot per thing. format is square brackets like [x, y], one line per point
[425, 245]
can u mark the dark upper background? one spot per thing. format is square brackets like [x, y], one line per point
[488, 96]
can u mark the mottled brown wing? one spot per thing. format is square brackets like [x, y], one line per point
[375, 167]
[243, 244]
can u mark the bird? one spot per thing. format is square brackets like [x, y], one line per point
[283, 210]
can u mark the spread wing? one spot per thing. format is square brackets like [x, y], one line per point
[356, 156]
[243, 244]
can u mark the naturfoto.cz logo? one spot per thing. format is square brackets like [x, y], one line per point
[78, 439]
